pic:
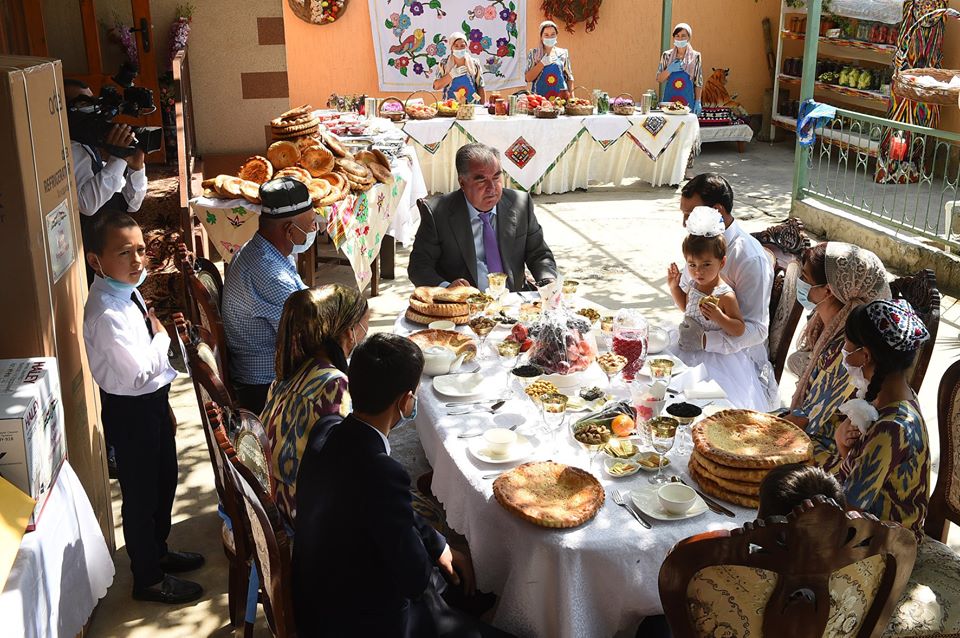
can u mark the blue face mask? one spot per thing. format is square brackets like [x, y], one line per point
[803, 295]
[121, 286]
[680, 44]
[408, 419]
[550, 42]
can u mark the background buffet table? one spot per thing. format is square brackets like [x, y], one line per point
[562, 154]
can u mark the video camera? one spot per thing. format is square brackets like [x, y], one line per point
[91, 119]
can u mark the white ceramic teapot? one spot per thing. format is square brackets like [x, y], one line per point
[438, 360]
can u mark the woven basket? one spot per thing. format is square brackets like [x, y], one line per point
[393, 116]
[546, 115]
[421, 115]
[579, 111]
[623, 109]
[905, 87]
[466, 111]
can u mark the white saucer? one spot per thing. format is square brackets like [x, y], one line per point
[464, 385]
[678, 365]
[645, 498]
[518, 451]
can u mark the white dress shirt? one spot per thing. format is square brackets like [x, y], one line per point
[749, 273]
[124, 359]
[95, 189]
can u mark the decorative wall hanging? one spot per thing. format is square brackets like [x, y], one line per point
[318, 11]
[570, 12]
[410, 39]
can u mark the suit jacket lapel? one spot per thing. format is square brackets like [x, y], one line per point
[460, 226]
[506, 237]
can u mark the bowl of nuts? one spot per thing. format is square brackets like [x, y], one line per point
[539, 388]
[592, 435]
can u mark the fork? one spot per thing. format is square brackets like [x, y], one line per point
[619, 500]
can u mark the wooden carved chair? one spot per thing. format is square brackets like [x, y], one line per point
[202, 289]
[921, 291]
[236, 534]
[253, 448]
[818, 572]
[272, 550]
[930, 605]
[785, 242]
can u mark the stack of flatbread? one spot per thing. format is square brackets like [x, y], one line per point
[432, 303]
[733, 451]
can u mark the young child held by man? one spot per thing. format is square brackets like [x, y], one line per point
[711, 302]
[127, 349]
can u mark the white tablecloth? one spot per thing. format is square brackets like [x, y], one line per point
[62, 570]
[733, 133]
[567, 153]
[406, 219]
[599, 579]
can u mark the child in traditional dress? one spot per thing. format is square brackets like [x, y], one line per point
[127, 349]
[712, 303]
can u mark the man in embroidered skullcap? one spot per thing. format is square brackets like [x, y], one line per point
[261, 276]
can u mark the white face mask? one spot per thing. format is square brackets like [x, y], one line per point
[459, 53]
[855, 373]
[305, 246]
[681, 44]
[549, 42]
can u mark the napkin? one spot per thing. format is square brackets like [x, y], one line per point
[861, 413]
[705, 390]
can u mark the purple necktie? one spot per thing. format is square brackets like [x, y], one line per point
[490, 247]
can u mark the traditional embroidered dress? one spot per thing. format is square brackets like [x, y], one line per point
[554, 77]
[887, 473]
[294, 406]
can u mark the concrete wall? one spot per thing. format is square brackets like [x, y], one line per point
[620, 55]
[902, 254]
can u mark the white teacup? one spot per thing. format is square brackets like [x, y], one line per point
[442, 324]
[676, 498]
[499, 441]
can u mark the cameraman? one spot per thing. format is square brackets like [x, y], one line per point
[105, 181]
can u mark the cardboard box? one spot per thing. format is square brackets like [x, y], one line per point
[44, 287]
[32, 437]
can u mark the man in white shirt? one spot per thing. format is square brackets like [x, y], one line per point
[748, 270]
[101, 177]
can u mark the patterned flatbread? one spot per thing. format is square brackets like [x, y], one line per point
[424, 320]
[733, 473]
[712, 488]
[454, 341]
[438, 294]
[751, 440]
[731, 485]
[549, 494]
[439, 309]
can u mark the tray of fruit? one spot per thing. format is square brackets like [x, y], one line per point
[532, 101]
[597, 428]
[560, 349]
[447, 108]
[418, 109]
[674, 108]
[578, 107]
[546, 111]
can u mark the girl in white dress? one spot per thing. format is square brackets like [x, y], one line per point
[712, 303]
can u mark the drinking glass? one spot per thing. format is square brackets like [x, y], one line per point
[663, 431]
[611, 364]
[630, 335]
[498, 284]
[570, 290]
[479, 323]
[554, 407]
[509, 354]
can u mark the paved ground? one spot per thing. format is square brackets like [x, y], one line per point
[618, 242]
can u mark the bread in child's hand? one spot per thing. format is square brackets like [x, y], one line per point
[710, 299]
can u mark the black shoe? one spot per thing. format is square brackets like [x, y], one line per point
[171, 590]
[178, 562]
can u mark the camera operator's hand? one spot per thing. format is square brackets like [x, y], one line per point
[135, 161]
[120, 135]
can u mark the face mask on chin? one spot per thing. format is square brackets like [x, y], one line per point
[121, 286]
[860, 382]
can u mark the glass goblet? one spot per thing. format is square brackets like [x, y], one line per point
[482, 326]
[498, 284]
[611, 364]
[554, 406]
[663, 432]
[509, 354]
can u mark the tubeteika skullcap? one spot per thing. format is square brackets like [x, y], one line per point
[898, 324]
[284, 197]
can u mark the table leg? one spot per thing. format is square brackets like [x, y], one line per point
[388, 251]
[375, 277]
[741, 147]
[307, 265]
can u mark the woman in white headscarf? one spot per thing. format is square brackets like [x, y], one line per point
[459, 74]
[548, 66]
[681, 70]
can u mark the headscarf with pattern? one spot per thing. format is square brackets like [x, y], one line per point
[689, 58]
[312, 322]
[855, 276]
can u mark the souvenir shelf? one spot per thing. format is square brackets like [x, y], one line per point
[868, 46]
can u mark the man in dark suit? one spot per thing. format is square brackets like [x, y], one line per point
[479, 229]
[364, 563]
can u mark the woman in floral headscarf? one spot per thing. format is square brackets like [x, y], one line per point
[681, 70]
[881, 447]
[835, 278]
[318, 329]
[548, 66]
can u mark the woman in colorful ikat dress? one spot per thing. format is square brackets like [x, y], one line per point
[835, 278]
[459, 74]
[681, 70]
[883, 454]
[548, 66]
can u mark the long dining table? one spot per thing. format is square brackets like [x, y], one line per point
[599, 579]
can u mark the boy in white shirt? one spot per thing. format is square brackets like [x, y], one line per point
[127, 348]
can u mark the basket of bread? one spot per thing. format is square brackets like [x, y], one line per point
[417, 109]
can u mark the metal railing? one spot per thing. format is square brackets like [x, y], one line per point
[840, 169]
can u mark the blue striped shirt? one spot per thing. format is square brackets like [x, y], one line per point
[259, 280]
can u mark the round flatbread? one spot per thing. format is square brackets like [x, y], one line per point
[456, 342]
[733, 473]
[752, 440]
[731, 485]
[303, 143]
[381, 174]
[361, 188]
[353, 169]
[438, 294]
[549, 494]
[332, 197]
[711, 488]
[298, 113]
[228, 186]
[334, 145]
[336, 180]
[319, 189]
[423, 320]
[439, 310]
[317, 160]
[283, 154]
[297, 173]
[250, 191]
[256, 169]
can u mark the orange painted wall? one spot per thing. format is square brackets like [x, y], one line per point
[950, 117]
[620, 55]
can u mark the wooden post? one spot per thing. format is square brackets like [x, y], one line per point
[149, 71]
[810, 46]
[666, 36]
[91, 42]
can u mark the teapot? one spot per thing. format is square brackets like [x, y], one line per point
[438, 360]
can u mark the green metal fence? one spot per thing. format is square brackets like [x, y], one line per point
[839, 170]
